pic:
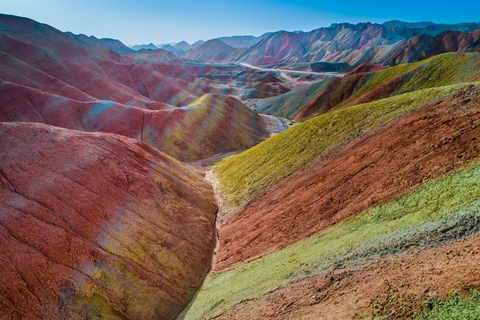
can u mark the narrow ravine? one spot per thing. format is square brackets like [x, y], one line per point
[210, 178]
[274, 126]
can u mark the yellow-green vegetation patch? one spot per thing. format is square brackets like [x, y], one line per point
[441, 70]
[437, 205]
[100, 306]
[380, 77]
[209, 125]
[453, 307]
[243, 177]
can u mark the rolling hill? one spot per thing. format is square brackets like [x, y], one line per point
[68, 82]
[90, 226]
[342, 215]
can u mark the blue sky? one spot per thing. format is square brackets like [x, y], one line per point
[145, 21]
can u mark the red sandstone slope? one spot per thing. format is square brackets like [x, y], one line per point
[125, 83]
[362, 87]
[52, 77]
[374, 170]
[424, 46]
[98, 225]
[357, 44]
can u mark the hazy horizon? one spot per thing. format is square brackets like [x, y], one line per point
[149, 21]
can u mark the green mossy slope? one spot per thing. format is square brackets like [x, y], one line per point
[442, 70]
[245, 176]
[437, 211]
[453, 307]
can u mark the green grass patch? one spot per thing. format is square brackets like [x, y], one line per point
[438, 71]
[244, 176]
[383, 76]
[443, 70]
[451, 196]
[453, 307]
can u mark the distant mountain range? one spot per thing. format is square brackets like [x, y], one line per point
[390, 43]
[180, 48]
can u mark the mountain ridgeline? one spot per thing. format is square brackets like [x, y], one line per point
[390, 43]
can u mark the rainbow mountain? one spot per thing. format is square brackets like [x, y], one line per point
[144, 185]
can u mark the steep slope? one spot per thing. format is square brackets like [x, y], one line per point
[277, 48]
[363, 211]
[90, 67]
[125, 83]
[423, 46]
[67, 82]
[98, 226]
[249, 174]
[344, 229]
[320, 197]
[37, 79]
[212, 124]
[339, 43]
[437, 71]
[357, 44]
[366, 67]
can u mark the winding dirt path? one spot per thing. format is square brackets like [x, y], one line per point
[284, 73]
